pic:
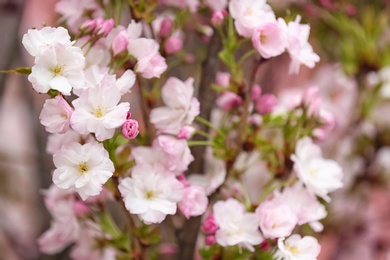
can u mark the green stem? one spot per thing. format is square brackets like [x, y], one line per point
[202, 133]
[245, 56]
[207, 123]
[199, 143]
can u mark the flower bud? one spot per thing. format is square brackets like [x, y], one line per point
[130, 129]
[266, 104]
[228, 100]
[209, 226]
[105, 28]
[173, 45]
[120, 42]
[166, 27]
[218, 17]
[256, 92]
[186, 132]
[223, 79]
[211, 240]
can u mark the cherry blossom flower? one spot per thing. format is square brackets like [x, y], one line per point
[56, 141]
[276, 219]
[250, 14]
[82, 167]
[55, 115]
[194, 202]
[319, 175]
[58, 67]
[181, 107]
[236, 226]
[297, 248]
[298, 45]
[97, 110]
[151, 193]
[269, 39]
[35, 41]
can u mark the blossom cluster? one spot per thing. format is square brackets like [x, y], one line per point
[263, 174]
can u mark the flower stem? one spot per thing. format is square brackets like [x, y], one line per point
[207, 123]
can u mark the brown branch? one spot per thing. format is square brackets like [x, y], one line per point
[188, 235]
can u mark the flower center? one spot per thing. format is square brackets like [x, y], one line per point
[57, 71]
[150, 194]
[99, 112]
[82, 167]
[293, 249]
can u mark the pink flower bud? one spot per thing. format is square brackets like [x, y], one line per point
[182, 178]
[120, 42]
[350, 10]
[105, 28]
[223, 79]
[166, 27]
[218, 17]
[211, 240]
[256, 92]
[173, 45]
[228, 100]
[190, 58]
[186, 132]
[130, 129]
[88, 26]
[266, 104]
[80, 209]
[209, 225]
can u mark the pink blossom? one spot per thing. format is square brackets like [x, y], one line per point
[209, 226]
[56, 141]
[105, 27]
[130, 129]
[296, 248]
[228, 100]
[180, 108]
[173, 45]
[298, 45]
[186, 132]
[266, 103]
[269, 39]
[217, 5]
[55, 115]
[194, 202]
[256, 92]
[276, 219]
[177, 153]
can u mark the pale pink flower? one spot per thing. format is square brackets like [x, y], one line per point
[180, 108]
[304, 205]
[151, 193]
[297, 248]
[236, 226]
[97, 110]
[182, 4]
[176, 152]
[35, 41]
[173, 45]
[298, 45]
[82, 167]
[56, 141]
[150, 63]
[276, 219]
[319, 175]
[58, 67]
[120, 42]
[194, 202]
[269, 39]
[227, 100]
[249, 14]
[55, 115]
